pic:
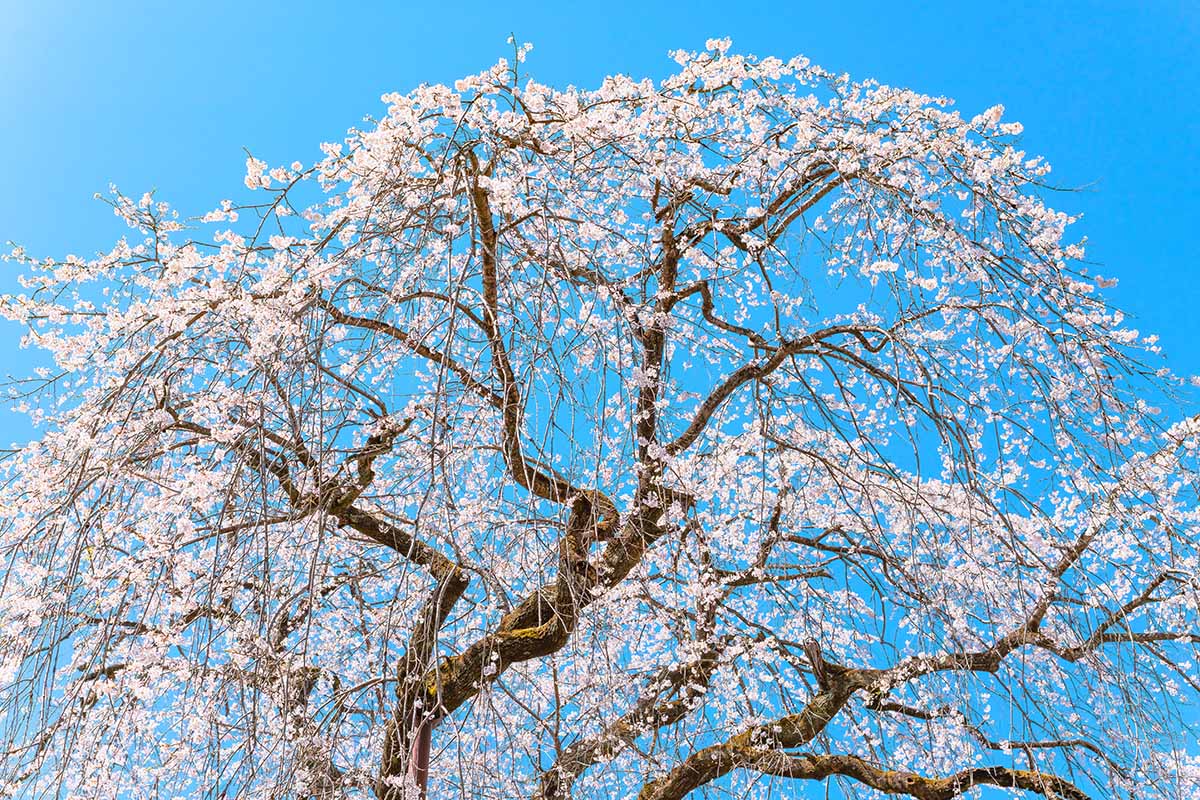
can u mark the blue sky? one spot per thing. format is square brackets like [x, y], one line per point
[166, 95]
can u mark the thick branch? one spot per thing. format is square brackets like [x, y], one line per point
[413, 714]
[710, 763]
[809, 766]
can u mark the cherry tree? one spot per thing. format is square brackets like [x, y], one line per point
[753, 432]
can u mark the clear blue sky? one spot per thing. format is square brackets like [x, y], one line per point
[166, 95]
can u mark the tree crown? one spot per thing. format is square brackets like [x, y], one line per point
[752, 425]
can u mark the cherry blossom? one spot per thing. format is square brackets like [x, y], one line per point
[716, 435]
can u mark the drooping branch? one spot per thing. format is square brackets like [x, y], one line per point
[686, 681]
[1007, 745]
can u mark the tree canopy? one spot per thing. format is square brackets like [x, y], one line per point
[710, 436]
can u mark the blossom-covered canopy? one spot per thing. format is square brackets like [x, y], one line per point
[751, 427]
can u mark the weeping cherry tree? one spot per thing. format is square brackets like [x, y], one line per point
[754, 432]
